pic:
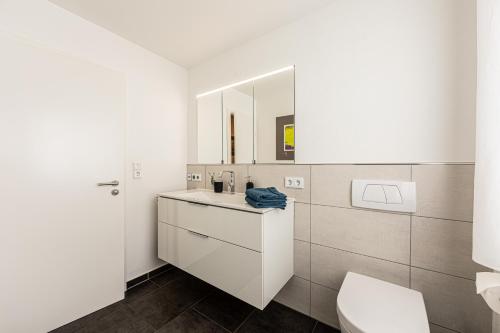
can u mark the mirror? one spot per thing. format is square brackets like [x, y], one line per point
[237, 124]
[275, 118]
[252, 122]
[210, 129]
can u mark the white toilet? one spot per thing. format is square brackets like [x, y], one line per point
[368, 305]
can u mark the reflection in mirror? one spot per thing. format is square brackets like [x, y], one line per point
[210, 129]
[275, 118]
[237, 124]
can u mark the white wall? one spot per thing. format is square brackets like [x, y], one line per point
[156, 110]
[376, 81]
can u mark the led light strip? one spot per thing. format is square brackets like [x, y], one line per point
[246, 81]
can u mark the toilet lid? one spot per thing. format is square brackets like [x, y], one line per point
[365, 304]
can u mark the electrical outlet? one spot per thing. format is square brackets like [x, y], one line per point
[294, 182]
[189, 177]
[196, 177]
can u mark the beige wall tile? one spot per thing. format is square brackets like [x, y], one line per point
[296, 294]
[274, 175]
[302, 222]
[452, 302]
[331, 184]
[330, 266]
[324, 305]
[302, 259]
[192, 168]
[443, 246]
[381, 235]
[240, 172]
[445, 191]
[439, 329]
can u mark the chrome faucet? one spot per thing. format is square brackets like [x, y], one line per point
[230, 185]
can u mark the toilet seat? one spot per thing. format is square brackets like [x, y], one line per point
[368, 305]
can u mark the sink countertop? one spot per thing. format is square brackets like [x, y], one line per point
[224, 199]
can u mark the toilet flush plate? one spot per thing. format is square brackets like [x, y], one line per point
[389, 195]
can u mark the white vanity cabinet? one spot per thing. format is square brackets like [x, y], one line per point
[246, 252]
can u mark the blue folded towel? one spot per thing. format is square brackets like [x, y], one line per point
[266, 204]
[261, 194]
[265, 198]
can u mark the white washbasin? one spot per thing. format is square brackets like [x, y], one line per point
[208, 197]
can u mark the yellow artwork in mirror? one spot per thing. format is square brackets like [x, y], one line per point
[289, 137]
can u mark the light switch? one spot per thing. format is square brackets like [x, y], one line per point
[137, 170]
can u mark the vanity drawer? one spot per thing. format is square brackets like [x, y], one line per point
[234, 269]
[233, 226]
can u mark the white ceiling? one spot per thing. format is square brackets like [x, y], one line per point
[188, 32]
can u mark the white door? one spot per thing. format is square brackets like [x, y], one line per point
[62, 237]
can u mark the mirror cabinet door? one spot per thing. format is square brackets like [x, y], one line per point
[250, 123]
[237, 124]
[209, 110]
[275, 118]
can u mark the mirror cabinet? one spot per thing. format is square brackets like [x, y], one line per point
[252, 122]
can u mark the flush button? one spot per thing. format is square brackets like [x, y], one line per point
[390, 195]
[393, 194]
[374, 193]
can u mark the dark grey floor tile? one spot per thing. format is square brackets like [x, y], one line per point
[140, 291]
[122, 320]
[169, 276]
[162, 305]
[118, 319]
[82, 322]
[191, 322]
[186, 290]
[277, 318]
[155, 309]
[322, 328]
[226, 310]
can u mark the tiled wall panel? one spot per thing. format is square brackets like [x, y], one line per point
[296, 294]
[445, 191]
[302, 222]
[329, 267]
[452, 302]
[443, 246]
[429, 251]
[376, 234]
[323, 304]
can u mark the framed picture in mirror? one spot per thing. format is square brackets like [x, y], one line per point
[285, 138]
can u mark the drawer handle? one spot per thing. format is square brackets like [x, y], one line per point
[197, 203]
[198, 234]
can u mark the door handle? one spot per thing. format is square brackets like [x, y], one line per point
[111, 183]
